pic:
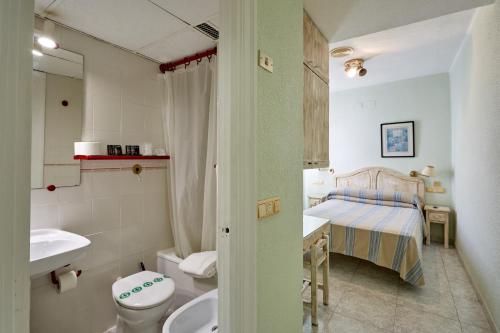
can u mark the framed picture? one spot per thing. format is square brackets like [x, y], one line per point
[398, 139]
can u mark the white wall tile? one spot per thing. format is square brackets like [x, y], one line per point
[132, 210]
[105, 183]
[44, 216]
[130, 183]
[76, 217]
[43, 197]
[134, 116]
[132, 240]
[131, 264]
[105, 213]
[106, 247]
[103, 309]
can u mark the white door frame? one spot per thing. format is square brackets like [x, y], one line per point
[16, 38]
[236, 210]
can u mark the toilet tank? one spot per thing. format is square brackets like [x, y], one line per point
[186, 286]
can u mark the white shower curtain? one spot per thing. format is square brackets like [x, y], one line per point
[189, 122]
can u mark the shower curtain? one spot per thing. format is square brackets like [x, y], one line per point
[189, 122]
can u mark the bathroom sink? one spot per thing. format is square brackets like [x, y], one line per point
[197, 316]
[51, 249]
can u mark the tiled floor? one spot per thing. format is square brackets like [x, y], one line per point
[365, 298]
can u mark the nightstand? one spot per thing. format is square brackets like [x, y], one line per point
[316, 199]
[438, 214]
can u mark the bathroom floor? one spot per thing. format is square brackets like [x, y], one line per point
[365, 298]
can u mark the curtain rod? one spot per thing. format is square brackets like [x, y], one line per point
[171, 66]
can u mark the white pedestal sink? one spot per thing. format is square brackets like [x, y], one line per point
[51, 249]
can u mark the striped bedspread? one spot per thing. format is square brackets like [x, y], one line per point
[384, 228]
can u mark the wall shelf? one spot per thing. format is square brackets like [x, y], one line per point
[118, 157]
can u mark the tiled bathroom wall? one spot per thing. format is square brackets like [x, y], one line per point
[124, 216]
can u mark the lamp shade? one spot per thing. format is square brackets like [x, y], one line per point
[429, 171]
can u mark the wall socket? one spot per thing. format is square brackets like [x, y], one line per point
[265, 61]
[268, 207]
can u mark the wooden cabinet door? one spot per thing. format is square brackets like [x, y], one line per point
[315, 121]
[309, 117]
[315, 49]
[309, 41]
[321, 153]
[320, 54]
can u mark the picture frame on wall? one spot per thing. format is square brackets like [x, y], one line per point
[397, 139]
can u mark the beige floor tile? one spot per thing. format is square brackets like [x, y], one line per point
[474, 329]
[343, 324]
[427, 300]
[367, 307]
[387, 289]
[435, 277]
[471, 312]
[455, 271]
[463, 289]
[409, 320]
[364, 298]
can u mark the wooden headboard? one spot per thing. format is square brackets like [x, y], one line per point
[378, 178]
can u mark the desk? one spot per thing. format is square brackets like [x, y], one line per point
[315, 233]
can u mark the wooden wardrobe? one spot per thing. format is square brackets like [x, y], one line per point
[316, 92]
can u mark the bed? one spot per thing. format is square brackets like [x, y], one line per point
[376, 215]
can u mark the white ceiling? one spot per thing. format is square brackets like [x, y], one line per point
[159, 29]
[419, 49]
[344, 19]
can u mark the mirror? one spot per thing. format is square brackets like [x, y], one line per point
[57, 103]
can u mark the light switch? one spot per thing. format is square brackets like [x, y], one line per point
[265, 61]
[277, 206]
[261, 211]
[268, 207]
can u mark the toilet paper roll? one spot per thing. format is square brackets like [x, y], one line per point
[87, 148]
[67, 281]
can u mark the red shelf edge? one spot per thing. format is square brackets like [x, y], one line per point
[118, 157]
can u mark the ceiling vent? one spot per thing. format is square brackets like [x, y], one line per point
[208, 30]
[342, 51]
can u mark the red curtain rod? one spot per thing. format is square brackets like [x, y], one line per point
[170, 66]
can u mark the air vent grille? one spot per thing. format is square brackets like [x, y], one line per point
[208, 30]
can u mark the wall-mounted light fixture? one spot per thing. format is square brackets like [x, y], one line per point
[428, 171]
[355, 67]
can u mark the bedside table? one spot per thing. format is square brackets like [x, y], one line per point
[438, 214]
[316, 199]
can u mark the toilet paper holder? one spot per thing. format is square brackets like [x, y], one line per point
[55, 280]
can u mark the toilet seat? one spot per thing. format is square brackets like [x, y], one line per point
[143, 290]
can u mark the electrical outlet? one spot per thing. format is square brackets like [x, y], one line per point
[265, 61]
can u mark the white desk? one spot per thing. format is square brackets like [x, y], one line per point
[315, 233]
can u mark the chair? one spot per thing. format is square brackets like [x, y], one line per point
[317, 256]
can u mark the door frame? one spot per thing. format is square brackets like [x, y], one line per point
[236, 195]
[16, 37]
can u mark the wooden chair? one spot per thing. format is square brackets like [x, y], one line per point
[318, 255]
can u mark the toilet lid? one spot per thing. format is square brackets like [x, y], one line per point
[143, 290]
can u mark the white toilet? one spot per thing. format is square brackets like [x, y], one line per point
[142, 301]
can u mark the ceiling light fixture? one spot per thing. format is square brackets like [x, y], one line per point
[46, 40]
[355, 66]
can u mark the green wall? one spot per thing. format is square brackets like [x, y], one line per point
[475, 114]
[279, 145]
